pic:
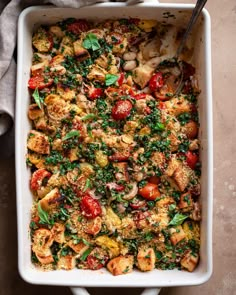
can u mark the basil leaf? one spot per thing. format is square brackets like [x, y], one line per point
[43, 215]
[159, 127]
[37, 98]
[91, 42]
[178, 219]
[86, 254]
[87, 184]
[88, 117]
[71, 134]
[110, 79]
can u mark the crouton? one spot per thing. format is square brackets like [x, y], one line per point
[38, 142]
[121, 265]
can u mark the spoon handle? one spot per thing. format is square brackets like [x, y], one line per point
[196, 11]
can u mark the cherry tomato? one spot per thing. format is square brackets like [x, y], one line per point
[161, 105]
[121, 109]
[78, 125]
[95, 93]
[156, 82]
[78, 27]
[37, 178]
[121, 79]
[154, 179]
[150, 191]
[95, 263]
[138, 204]
[39, 82]
[120, 156]
[90, 207]
[115, 186]
[147, 111]
[191, 159]
[140, 96]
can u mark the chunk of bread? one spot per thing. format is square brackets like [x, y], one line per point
[121, 265]
[38, 142]
[146, 259]
[189, 261]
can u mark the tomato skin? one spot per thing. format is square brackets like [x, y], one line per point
[121, 79]
[95, 93]
[78, 26]
[119, 157]
[121, 109]
[37, 178]
[138, 204]
[90, 207]
[150, 191]
[156, 82]
[140, 96]
[38, 82]
[154, 180]
[191, 159]
[94, 263]
[115, 186]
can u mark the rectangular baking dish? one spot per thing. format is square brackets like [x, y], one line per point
[35, 16]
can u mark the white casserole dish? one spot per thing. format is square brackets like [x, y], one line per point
[35, 16]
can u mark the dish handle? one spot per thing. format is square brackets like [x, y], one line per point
[147, 291]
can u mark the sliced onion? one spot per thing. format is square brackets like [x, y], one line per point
[133, 192]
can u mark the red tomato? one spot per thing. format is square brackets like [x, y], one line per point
[37, 178]
[120, 156]
[138, 204]
[115, 186]
[140, 96]
[161, 105]
[156, 82]
[147, 111]
[121, 109]
[150, 191]
[121, 79]
[95, 93]
[191, 159]
[95, 263]
[154, 180]
[39, 82]
[78, 26]
[90, 207]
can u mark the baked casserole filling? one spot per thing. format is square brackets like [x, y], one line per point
[114, 149]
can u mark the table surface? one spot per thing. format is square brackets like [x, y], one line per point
[223, 280]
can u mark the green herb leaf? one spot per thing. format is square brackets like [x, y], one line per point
[178, 219]
[71, 134]
[43, 215]
[110, 79]
[91, 42]
[88, 117]
[86, 254]
[159, 127]
[37, 98]
[87, 184]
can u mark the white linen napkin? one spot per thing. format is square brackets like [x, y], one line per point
[8, 31]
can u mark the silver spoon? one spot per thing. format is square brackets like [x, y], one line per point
[175, 59]
[195, 14]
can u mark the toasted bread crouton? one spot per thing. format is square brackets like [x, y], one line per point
[58, 231]
[34, 112]
[177, 234]
[93, 226]
[181, 177]
[186, 202]
[78, 247]
[42, 241]
[189, 261]
[38, 142]
[121, 265]
[80, 52]
[142, 75]
[146, 259]
[50, 201]
[66, 262]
